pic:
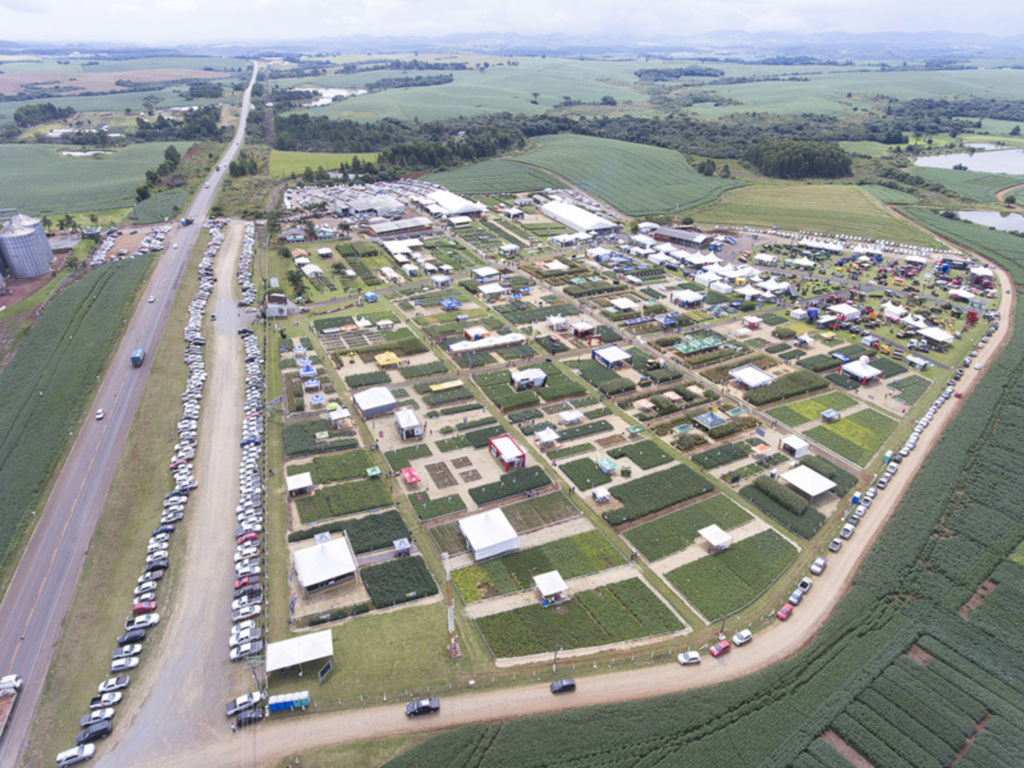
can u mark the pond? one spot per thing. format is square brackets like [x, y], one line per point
[327, 95]
[999, 161]
[1001, 220]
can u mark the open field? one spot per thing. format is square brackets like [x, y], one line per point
[38, 179]
[111, 104]
[495, 176]
[71, 82]
[286, 164]
[857, 436]
[634, 178]
[803, 411]
[975, 184]
[837, 208]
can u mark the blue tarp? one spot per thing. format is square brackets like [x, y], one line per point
[449, 304]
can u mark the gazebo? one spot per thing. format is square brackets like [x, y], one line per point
[552, 588]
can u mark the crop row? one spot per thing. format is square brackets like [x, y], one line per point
[722, 454]
[344, 499]
[400, 457]
[398, 581]
[335, 467]
[646, 454]
[427, 508]
[656, 491]
[677, 530]
[367, 534]
[300, 439]
[512, 483]
[787, 385]
[804, 525]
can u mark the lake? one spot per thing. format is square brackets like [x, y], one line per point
[327, 95]
[1007, 222]
[998, 161]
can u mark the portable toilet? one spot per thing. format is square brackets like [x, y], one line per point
[856, 498]
[369, 297]
[887, 457]
[812, 314]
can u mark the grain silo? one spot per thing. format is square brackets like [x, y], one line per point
[24, 249]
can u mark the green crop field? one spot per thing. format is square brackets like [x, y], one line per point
[833, 208]
[634, 178]
[717, 585]
[974, 184]
[803, 411]
[888, 196]
[286, 164]
[911, 388]
[857, 436]
[38, 179]
[172, 96]
[495, 176]
[574, 556]
[536, 512]
[623, 611]
[677, 530]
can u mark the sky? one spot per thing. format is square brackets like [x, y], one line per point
[172, 22]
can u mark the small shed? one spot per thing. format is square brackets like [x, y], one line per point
[552, 588]
[489, 534]
[492, 291]
[441, 281]
[531, 378]
[612, 356]
[486, 275]
[374, 401]
[795, 446]
[408, 424]
[753, 322]
[716, 539]
[507, 452]
[299, 484]
[607, 465]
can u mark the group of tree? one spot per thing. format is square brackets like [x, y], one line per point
[419, 81]
[204, 89]
[243, 165]
[675, 73]
[195, 125]
[404, 65]
[154, 176]
[799, 159]
[28, 115]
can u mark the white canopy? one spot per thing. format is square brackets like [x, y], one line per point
[751, 376]
[893, 311]
[937, 335]
[570, 417]
[601, 494]
[374, 401]
[323, 562]
[982, 272]
[612, 354]
[916, 260]
[299, 650]
[796, 446]
[844, 310]
[547, 435]
[859, 369]
[406, 418]
[807, 481]
[550, 583]
[800, 262]
[299, 482]
[489, 534]
[715, 537]
[686, 296]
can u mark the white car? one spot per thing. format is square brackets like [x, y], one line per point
[152, 298]
[122, 665]
[742, 637]
[145, 586]
[242, 626]
[76, 755]
[100, 414]
[246, 612]
[688, 657]
[819, 565]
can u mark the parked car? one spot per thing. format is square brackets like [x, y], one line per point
[246, 649]
[423, 707]
[835, 545]
[95, 716]
[105, 700]
[784, 612]
[819, 565]
[249, 717]
[144, 606]
[242, 703]
[805, 584]
[720, 648]
[131, 637]
[113, 684]
[796, 597]
[131, 649]
[76, 755]
[688, 657]
[742, 637]
[124, 664]
[94, 732]
[565, 685]
[142, 622]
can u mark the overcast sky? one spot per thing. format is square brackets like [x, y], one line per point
[168, 22]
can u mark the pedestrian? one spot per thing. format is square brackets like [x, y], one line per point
[232, 727]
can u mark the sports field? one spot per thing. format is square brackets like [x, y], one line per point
[834, 208]
[286, 164]
[38, 179]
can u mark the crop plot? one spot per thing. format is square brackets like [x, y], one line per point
[856, 437]
[718, 585]
[627, 610]
[656, 491]
[440, 475]
[398, 581]
[539, 511]
[646, 454]
[801, 412]
[678, 530]
[911, 388]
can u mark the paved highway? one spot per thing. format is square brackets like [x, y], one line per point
[37, 601]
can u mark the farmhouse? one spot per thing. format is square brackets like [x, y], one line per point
[408, 424]
[507, 452]
[327, 563]
[611, 356]
[489, 534]
[577, 218]
[375, 401]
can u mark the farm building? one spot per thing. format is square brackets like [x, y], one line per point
[862, 370]
[401, 228]
[300, 253]
[486, 275]
[375, 401]
[716, 539]
[276, 305]
[508, 249]
[385, 206]
[531, 378]
[687, 298]
[680, 237]
[300, 650]
[301, 261]
[552, 588]
[808, 482]
[324, 253]
[299, 484]
[795, 446]
[458, 222]
[507, 452]
[751, 377]
[408, 424]
[612, 356]
[624, 305]
[312, 271]
[489, 534]
[325, 564]
[577, 218]
[451, 204]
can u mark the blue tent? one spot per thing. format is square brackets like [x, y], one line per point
[449, 304]
[307, 372]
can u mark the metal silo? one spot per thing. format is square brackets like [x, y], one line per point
[24, 247]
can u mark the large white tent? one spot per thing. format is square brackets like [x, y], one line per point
[716, 538]
[299, 650]
[937, 335]
[861, 369]
[489, 534]
[324, 565]
[751, 377]
[808, 482]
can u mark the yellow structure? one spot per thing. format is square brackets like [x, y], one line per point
[386, 359]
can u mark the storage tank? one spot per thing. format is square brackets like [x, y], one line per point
[24, 248]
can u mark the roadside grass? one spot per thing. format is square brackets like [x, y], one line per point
[103, 593]
[284, 165]
[834, 208]
[361, 754]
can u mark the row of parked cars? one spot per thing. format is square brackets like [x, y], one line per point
[246, 638]
[98, 722]
[152, 241]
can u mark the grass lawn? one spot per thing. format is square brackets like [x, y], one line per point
[856, 437]
[286, 164]
[834, 208]
[911, 388]
[677, 530]
[798, 413]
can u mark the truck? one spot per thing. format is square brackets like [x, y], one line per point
[9, 687]
[186, 222]
[138, 355]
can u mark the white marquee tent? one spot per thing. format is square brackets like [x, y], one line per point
[489, 534]
[299, 650]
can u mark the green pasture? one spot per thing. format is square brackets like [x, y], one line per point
[889, 196]
[495, 176]
[126, 65]
[172, 96]
[678, 530]
[857, 436]
[634, 178]
[974, 184]
[801, 412]
[38, 179]
[284, 165]
[833, 208]
[869, 148]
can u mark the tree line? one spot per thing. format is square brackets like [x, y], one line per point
[195, 125]
[799, 159]
[28, 115]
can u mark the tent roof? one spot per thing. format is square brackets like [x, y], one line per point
[507, 447]
[843, 309]
[794, 442]
[550, 583]
[387, 358]
[374, 397]
[937, 334]
[406, 418]
[323, 562]
[715, 536]
[805, 479]
[687, 295]
[410, 476]
[489, 529]
[751, 376]
[299, 481]
[861, 370]
[547, 435]
[601, 494]
[299, 650]
[613, 354]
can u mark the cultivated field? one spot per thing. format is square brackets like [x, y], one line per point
[496, 176]
[284, 165]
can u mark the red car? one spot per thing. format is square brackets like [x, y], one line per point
[784, 612]
[146, 606]
[719, 648]
[245, 581]
[247, 536]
